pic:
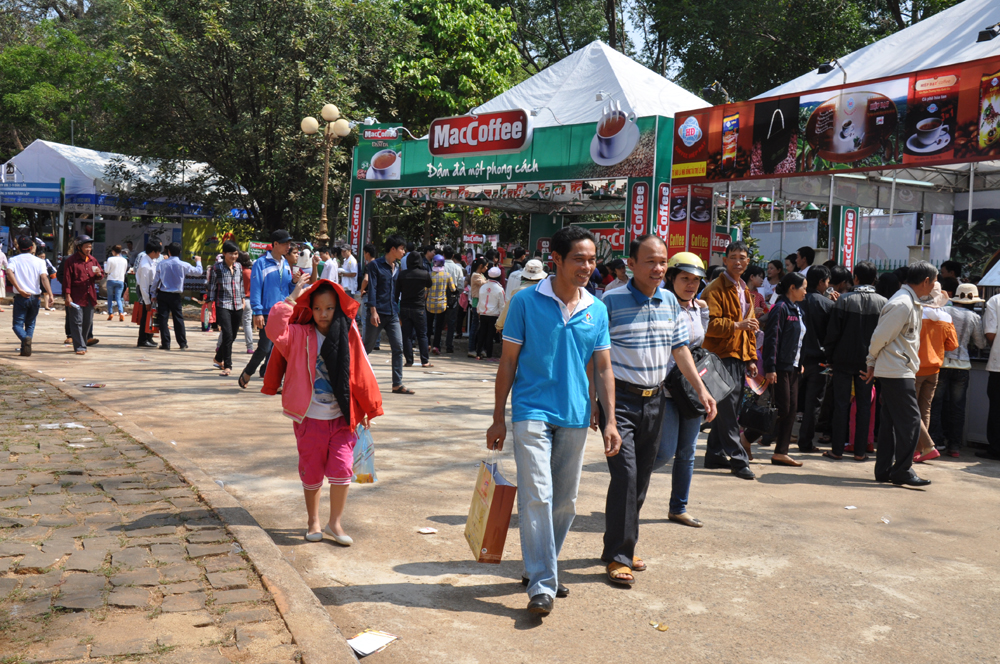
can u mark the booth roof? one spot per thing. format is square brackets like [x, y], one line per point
[84, 170]
[565, 93]
[946, 38]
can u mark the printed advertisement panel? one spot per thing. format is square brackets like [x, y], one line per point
[937, 116]
[639, 206]
[357, 208]
[848, 245]
[379, 153]
[677, 237]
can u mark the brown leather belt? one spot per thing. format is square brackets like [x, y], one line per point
[637, 389]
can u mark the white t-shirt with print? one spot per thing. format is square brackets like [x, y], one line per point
[324, 404]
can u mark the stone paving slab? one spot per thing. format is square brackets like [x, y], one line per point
[96, 563]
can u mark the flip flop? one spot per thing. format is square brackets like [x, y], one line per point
[830, 455]
[244, 380]
[226, 372]
[617, 572]
[402, 389]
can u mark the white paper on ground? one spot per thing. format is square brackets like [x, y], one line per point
[370, 641]
[850, 507]
[427, 531]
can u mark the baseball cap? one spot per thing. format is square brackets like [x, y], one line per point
[494, 273]
[24, 242]
[280, 236]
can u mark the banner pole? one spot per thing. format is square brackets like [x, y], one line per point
[829, 220]
[972, 185]
[729, 209]
[687, 232]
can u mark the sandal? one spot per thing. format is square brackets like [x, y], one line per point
[402, 389]
[685, 519]
[226, 372]
[244, 379]
[81, 352]
[620, 574]
[830, 455]
[861, 458]
[638, 565]
[425, 366]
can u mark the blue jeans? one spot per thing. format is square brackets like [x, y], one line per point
[389, 323]
[25, 313]
[549, 461]
[678, 438]
[115, 290]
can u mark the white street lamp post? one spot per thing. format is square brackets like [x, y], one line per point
[336, 129]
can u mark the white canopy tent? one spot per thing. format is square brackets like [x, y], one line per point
[555, 93]
[946, 38]
[42, 165]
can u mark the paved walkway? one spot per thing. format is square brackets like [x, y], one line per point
[781, 572]
[106, 553]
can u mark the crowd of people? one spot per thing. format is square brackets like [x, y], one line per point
[872, 362]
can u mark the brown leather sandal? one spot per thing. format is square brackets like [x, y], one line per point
[638, 565]
[620, 574]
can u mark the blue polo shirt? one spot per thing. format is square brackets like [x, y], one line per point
[551, 383]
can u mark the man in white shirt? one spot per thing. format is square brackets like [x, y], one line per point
[145, 271]
[28, 275]
[804, 259]
[331, 270]
[991, 325]
[348, 271]
[168, 291]
[116, 266]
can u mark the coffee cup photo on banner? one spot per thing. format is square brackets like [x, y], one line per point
[616, 136]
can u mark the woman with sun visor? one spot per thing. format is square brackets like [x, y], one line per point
[678, 435]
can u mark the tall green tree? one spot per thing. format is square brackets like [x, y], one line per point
[465, 57]
[751, 47]
[227, 82]
[47, 84]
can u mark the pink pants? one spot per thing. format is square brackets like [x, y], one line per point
[326, 448]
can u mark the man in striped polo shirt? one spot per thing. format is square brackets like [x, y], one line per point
[646, 328]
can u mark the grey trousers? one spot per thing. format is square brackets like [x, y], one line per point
[899, 429]
[81, 325]
[724, 439]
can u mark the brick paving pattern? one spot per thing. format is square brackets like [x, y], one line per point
[107, 554]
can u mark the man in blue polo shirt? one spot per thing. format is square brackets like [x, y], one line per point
[647, 330]
[553, 333]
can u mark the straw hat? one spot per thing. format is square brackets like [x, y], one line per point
[967, 294]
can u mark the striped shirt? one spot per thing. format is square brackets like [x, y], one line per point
[644, 333]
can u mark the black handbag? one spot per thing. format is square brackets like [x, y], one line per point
[758, 417]
[713, 374]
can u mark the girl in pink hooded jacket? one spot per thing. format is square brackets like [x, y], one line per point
[329, 388]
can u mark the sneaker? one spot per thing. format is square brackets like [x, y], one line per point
[471, 354]
[26, 347]
[249, 351]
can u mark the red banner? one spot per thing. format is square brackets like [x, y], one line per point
[663, 211]
[492, 133]
[937, 116]
[357, 207]
[677, 238]
[639, 211]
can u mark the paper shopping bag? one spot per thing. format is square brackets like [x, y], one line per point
[151, 325]
[489, 514]
[137, 314]
[364, 457]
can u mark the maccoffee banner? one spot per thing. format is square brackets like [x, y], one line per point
[619, 146]
[938, 116]
[684, 218]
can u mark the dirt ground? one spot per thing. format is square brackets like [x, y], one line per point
[781, 572]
